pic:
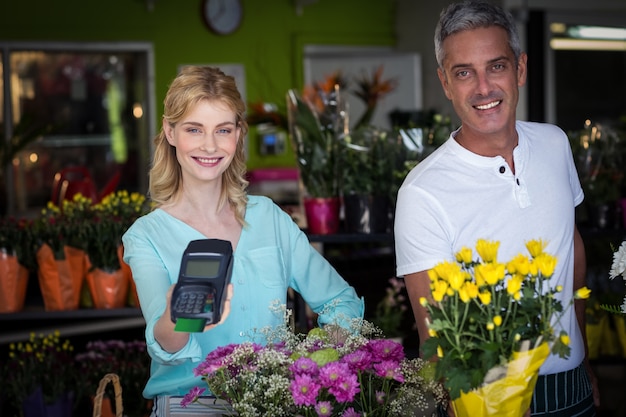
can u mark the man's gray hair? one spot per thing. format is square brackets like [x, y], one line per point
[474, 14]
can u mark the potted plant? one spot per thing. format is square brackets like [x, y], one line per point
[40, 377]
[107, 277]
[60, 255]
[368, 159]
[314, 123]
[17, 260]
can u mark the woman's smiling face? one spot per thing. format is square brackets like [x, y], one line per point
[205, 140]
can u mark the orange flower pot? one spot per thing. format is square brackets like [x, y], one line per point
[108, 289]
[13, 283]
[60, 280]
[133, 298]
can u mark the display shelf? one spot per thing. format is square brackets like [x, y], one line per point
[34, 318]
[39, 313]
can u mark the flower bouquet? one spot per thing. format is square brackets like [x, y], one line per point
[314, 375]
[491, 327]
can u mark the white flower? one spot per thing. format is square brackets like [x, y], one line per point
[619, 262]
[624, 306]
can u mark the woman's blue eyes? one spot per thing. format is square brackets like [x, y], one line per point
[223, 131]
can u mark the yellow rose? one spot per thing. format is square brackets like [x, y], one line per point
[519, 264]
[439, 290]
[491, 273]
[536, 247]
[464, 255]
[487, 250]
[472, 289]
[456, 279]
[485, 297]
[514, 285]
[582, 293]
[545, 263]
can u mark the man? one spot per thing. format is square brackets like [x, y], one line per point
[498, 179]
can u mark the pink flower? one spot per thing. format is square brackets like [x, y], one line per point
[349, 412]
[359, 360]
[380, 397]
[324, 408]
[385, 349]
[389, 370]
[304, 366]
[304, 390]
[340, 381]
[191, 396]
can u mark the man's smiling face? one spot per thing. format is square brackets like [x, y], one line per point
[481, 78]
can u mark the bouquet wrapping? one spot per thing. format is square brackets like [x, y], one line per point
[509, 396]
[493, 324]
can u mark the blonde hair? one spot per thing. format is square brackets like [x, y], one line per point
[193, 85]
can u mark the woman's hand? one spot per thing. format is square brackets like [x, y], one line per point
[229, 295]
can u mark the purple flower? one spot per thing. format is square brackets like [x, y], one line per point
[385, 349]
[324, 408]
[304, 365]
[349, 412]
[340, 381]
[191, 396]
[304, 389]
[332, 373]
[358, 360]
[380, 397]
[389, 370]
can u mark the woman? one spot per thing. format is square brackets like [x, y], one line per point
[197, 184]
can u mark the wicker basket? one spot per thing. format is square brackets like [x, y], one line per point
[97, 401]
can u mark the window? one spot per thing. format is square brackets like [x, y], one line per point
[586, 67]
[83, 107]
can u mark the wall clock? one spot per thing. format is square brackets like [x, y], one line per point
[223, 17]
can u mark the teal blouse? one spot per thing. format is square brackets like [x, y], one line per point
[272, 255]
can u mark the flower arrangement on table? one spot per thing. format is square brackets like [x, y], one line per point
[43, 365]
[491, 326]
[315, 375]
[391, 309]
[314, 119]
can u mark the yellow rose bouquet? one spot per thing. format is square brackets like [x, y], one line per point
[492, 327]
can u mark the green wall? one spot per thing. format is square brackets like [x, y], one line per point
[268, 43]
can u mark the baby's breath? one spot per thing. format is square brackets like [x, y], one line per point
[261, 381]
